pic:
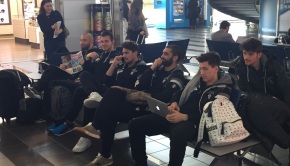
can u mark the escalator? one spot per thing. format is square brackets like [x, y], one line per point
[247, 10]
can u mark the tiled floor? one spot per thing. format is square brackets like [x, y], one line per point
[33, 146]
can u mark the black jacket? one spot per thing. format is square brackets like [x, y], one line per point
[201, 94]
[99, 67]
[45, 23]
[271, 80]
[126, 76]
[161, 84]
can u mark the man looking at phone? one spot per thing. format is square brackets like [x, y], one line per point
[186, 108]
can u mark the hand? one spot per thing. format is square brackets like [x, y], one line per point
[117, 61]
[142, 33]
[81, 61]
[54, 26]
[176, 116]
[173, 107]
[92, 55]
[157, 63]
[62, 66]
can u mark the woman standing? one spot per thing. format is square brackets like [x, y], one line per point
[54, 37]
[136, 23]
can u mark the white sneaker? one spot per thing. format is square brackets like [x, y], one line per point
[93, 100]
[101, 161]
[89, 130]
[82, 145]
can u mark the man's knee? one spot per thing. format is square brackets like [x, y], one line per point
[135, 124]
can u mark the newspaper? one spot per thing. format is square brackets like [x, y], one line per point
[58, 26]
[72, 62]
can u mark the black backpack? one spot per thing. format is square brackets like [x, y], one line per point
[61, 102]
[30, 110]
[11, 88]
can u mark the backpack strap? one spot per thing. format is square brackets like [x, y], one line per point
[200, 138]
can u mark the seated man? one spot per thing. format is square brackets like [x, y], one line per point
[119, 104]
[94, 82]
[223, 34]
[54, 73]
[265, 110]
[186, 108]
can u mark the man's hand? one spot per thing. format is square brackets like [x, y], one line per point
[92, 55]
[142, 33]
[62, 66]
[81, 61]
[173, 107]
[117, 60]
[176, 116]
[157, 63]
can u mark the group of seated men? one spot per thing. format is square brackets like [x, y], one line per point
[113, 89]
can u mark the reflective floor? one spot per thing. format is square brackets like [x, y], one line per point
[32, 146]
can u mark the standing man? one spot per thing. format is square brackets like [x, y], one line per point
[223, 34]
[162, 80]
[186, 109]
[266, 107]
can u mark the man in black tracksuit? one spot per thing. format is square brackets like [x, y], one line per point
[186, 109]
[95, 65]
[266, 107]
[119, 104]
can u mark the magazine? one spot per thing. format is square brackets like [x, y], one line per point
[71, 62]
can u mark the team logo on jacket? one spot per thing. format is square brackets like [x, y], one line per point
[210, 94]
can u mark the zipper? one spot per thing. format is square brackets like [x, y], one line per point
[223, 124]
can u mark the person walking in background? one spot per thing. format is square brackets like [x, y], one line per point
[53, 35]
[136, 23]
[193, 12]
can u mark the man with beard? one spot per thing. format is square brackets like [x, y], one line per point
[54, 73]
[120, 104]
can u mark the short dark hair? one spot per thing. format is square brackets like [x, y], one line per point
[251, 44]
[224, 25]
[213, 58]
[130, 46]
[107, 33]
[176, 51]
[42, 10]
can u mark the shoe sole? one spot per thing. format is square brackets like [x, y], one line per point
[80, 129]
[91, 104]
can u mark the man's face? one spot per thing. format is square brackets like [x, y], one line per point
[48, 7]
[167, 57]
[106, 43]
[85, 42]
[251, 58]
[208, 73]
[129, 56]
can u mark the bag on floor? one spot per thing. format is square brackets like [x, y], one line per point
[223, 124]
[11, 91]
[30, 110]
[61, 102]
